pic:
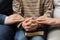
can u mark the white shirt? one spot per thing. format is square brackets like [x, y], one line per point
[57, 8]
[5, 19]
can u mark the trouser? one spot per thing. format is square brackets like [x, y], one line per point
[20, 36]
[54, 35]
[6, 33]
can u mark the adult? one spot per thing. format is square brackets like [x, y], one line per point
[7, 20]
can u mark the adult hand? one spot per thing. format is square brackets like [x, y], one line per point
[30, 24]
[14, 19]
[47, 20]
[39, 19]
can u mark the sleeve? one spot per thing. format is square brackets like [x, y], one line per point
[16, 6]
[5, 19]
[48, 8]
[2, 18]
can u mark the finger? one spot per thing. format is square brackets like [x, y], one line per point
[31, 22]
[34, 24]
[19, 19]
[22, 19]
[43, 22]
[28, 24]
[15, 15]
[28, 19]
[18, 16]
[32, 29]
[40, 19]
[27, 28]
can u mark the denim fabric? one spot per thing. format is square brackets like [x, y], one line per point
[20, 36]
[6, 33]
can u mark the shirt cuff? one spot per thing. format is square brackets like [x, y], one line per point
[5, 20]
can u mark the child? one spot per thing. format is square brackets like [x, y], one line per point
[31, 8]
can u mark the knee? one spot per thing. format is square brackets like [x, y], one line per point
[5, 31]
[20, 35]
[21, 38]
[37, 38]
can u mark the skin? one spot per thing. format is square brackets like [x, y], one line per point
[49, 21]
[28, 24]
[14, 19]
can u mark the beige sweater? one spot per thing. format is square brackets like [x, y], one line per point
[33, 8]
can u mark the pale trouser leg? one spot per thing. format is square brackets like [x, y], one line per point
[54, 35]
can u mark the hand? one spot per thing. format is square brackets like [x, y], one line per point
[39, 19]
[48, 21]
[14, 19]
[29, 24]
[34, 25]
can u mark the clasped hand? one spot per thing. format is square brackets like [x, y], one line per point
[29, 24]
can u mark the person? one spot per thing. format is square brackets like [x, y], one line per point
[7, 19]
[54, 33]
[57, 26]
[31, 10]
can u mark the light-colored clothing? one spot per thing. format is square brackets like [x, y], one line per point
[33, 8]
[20, 36]
[57, 9]
[55, 34]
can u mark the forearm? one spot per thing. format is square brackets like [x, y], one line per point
[57, 21]
[53, 21]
